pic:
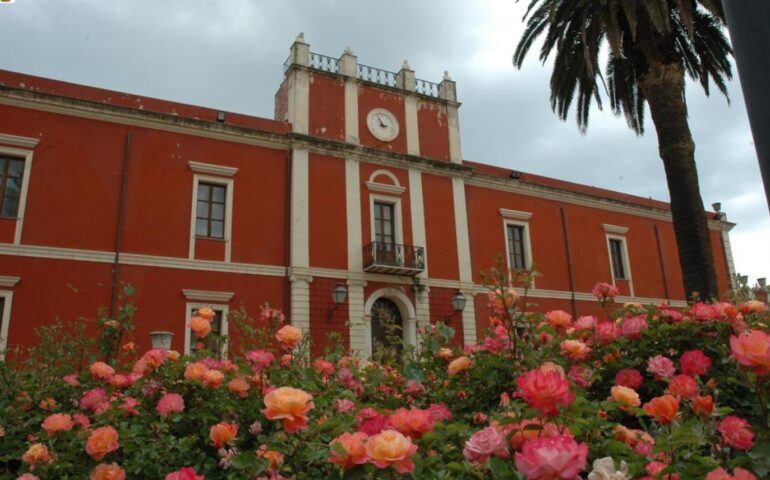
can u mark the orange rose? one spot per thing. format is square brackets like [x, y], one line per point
[752, 306]
[290, 405]
[36, 453]
[391, 448]
[239, 386]
[348, 450]
[112, 471]
[664, 409]
[195, 371]
[274, 459]
[206, 313]
[200, 326]
[213, 378]
[288, 336]
[172, 355]
[102, 441]
[548, 367]
[703, 406]
[559, 319]
[459, 364]
[575, 349]
[223, 433]
[58, 422]
[101, 370]
[445, 353]
[626, 396]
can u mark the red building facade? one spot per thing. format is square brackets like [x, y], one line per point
[358, 181]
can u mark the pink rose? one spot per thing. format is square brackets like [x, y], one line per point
[485, 443]
[629, 377]
[170, 403]
[634, 327]
[547, 458]
[185, 473]
[545, 391]
[661, 367]
[694, 363]
[736, 432]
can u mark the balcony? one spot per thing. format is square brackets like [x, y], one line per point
[394, 259]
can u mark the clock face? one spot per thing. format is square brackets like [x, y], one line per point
[382, 124]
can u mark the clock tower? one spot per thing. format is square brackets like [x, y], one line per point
[342, 100]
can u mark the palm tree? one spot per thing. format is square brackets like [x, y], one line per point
[652, 44]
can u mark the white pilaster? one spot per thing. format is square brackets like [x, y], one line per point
[298, 108]
[299, 101]
[417, 211]
[453, 119]
[353, 203]
[356, 318]
[448, 91]
[348, 67]
[300, 205]
[422, 307]
[464, 258]
[410, 119]
[726, 227]
[300, 301]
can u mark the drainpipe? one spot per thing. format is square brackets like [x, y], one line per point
[569, 261]
[119, 227]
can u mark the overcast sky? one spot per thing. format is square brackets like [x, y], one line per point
[229, 54]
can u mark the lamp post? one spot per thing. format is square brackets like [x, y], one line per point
[161, 339]
[458, 305]
[339, 293]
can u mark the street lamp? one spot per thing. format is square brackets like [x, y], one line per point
[458, 305]
[339, 293]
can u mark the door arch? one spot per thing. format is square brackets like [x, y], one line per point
[393, 297]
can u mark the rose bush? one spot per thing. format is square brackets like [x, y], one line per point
[645, 392]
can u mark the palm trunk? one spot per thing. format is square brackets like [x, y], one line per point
[663, 87]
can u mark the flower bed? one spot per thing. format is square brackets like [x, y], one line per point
[642, 392]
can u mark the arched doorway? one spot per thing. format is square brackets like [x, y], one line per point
[397, 303]
[387, 325]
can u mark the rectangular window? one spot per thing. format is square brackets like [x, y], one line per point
[11, 173]
[617, 257]
[384, 226]
[210, 210]
[211, 342]
[516, 253]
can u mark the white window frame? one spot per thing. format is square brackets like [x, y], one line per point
[617, 233]
[5, 320]
[525, 239]
[26, 157]
[397, 218]
[189, 307]
[229, 185]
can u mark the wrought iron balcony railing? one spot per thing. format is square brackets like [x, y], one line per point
[392, 258]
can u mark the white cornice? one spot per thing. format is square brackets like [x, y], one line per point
[139, 259]
[617, 230]
[298, 274]
[151, 120]
[385, 188]
[8, 282]
[515, 214]
[17, 141]
[207, 296]
[211, 169]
